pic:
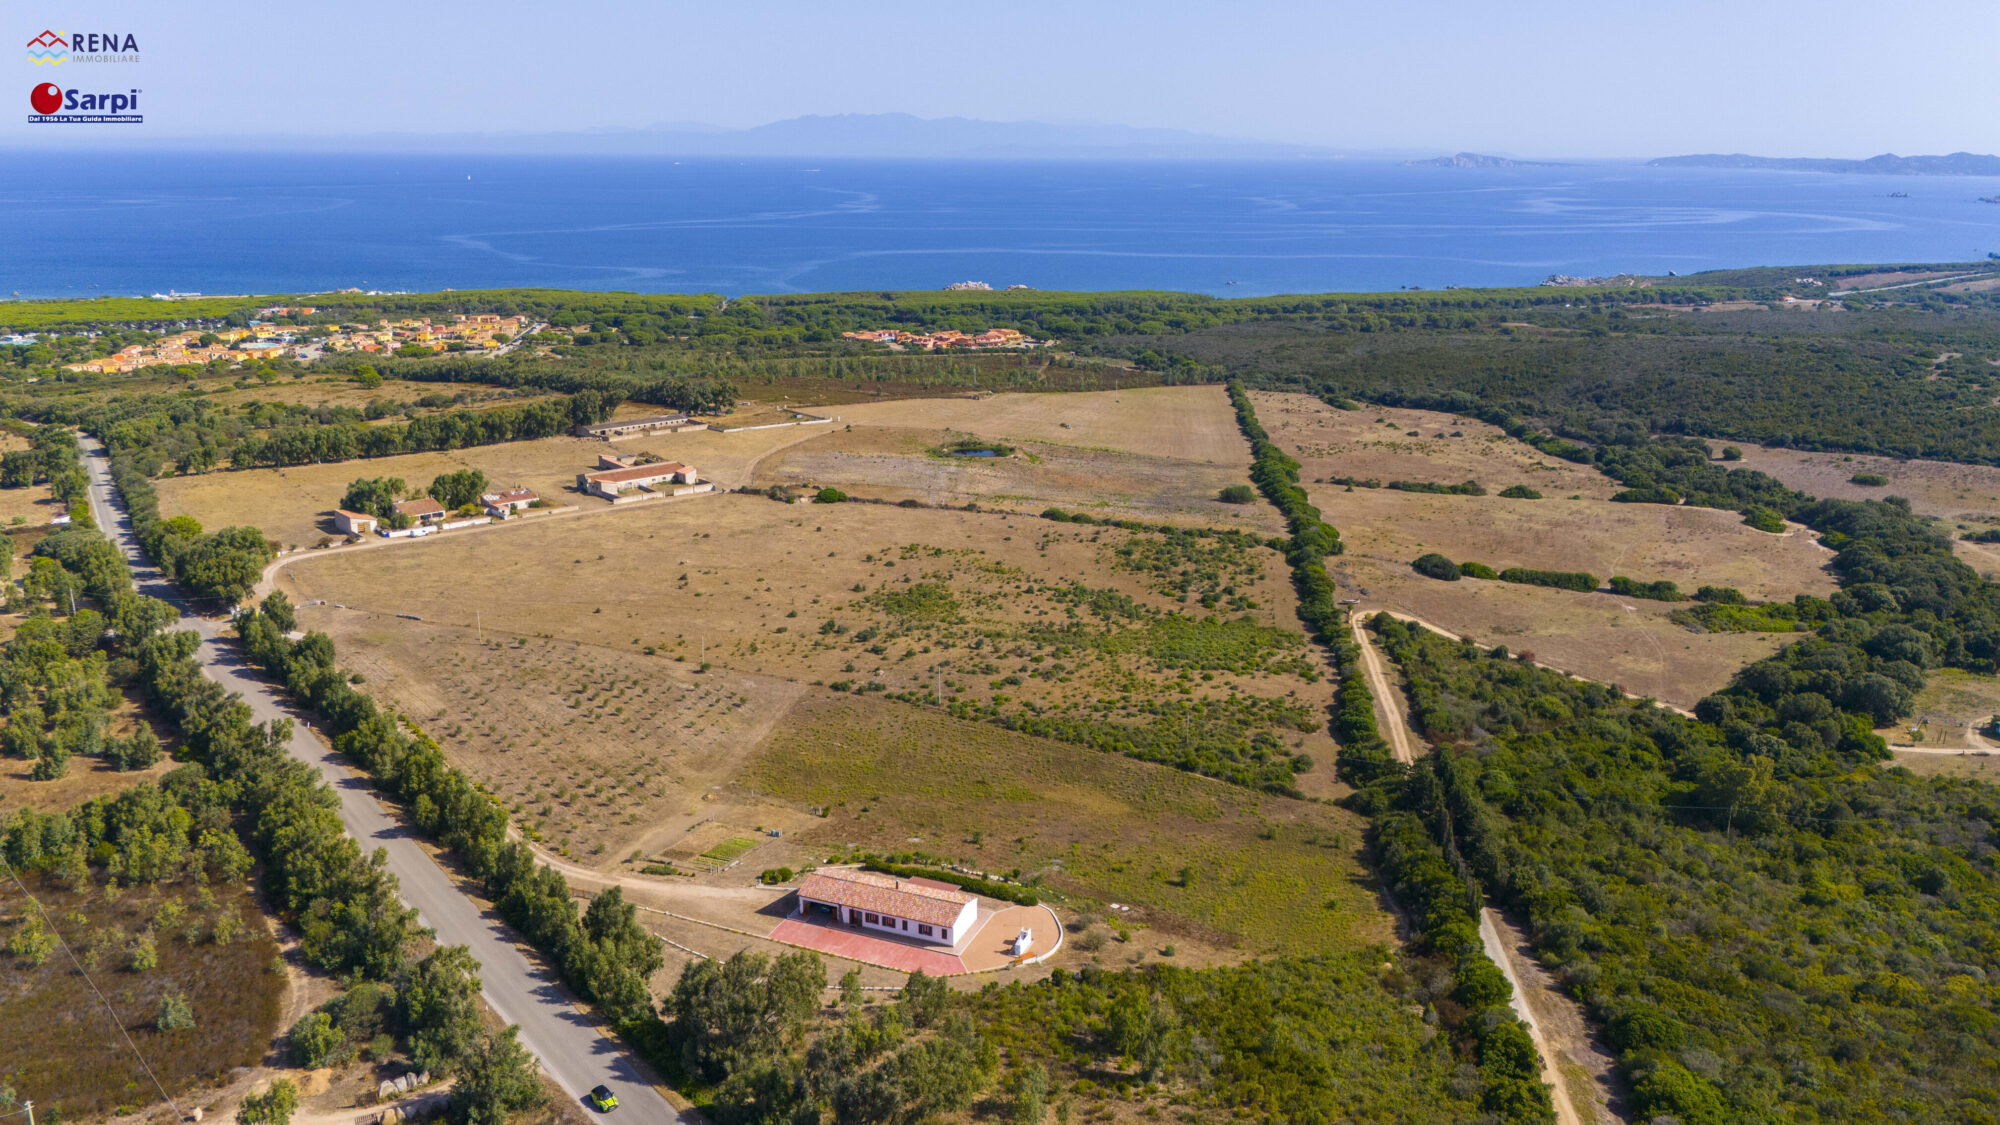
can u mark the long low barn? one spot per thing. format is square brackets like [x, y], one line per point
[883, 902]
[627, 426]
[611, 482]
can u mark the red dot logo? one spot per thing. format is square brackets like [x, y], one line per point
[46, 98]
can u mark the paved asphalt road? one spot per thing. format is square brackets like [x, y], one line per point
[553, 1026]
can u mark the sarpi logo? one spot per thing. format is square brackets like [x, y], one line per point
[53, 104]
[56, 47]
[48, 47]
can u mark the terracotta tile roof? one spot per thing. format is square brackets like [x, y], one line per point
[885, 894]
[357, 515]
[422, 506]
[511, 496]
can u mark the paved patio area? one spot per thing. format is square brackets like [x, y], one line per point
[855, 945]
[988, 947]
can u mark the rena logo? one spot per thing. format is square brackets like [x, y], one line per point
[53, 48]
[46, 98]
[49, 47]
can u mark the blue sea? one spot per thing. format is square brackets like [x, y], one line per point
[77, 225]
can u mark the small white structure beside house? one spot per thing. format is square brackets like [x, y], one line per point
[354, 523]
[611, 484]
[868, 901]
[423, 509]
[506, 503]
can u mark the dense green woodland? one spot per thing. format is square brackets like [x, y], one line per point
[1766, 934]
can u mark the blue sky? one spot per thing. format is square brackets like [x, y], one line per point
[1535, 78]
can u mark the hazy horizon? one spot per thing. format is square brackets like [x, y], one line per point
[1553, 81]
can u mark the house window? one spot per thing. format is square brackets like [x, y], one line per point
[923, 929]
[945, 933]
[872, 918]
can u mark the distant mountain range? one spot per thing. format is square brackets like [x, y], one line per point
[1887, 164]
[887, 135]
[1477, 160]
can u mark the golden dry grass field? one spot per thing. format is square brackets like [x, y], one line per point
[1268, 873]
[1693, 547]
[901, 463]
[292, 505]
[1388, 443]
[1624, 641]
[1180, 423]
[28, 506]
[1005, 615]
[1946, 489]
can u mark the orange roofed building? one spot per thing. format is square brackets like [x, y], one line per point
[868, 901]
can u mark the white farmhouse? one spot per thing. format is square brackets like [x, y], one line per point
[868, 901]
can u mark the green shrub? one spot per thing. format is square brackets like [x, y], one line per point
[1873, 480]
[1478, 570]
[1764, 519]
[1661, 591]
[1434, 565]
[1721, 595]
[1520, 492]
[829, 495]
[1237, 494]
[1577, 580]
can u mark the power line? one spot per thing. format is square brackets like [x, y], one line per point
[109, 1011]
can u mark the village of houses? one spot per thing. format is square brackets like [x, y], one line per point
[616, 479]
[477, 332]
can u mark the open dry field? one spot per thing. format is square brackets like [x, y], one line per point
[57, 1043]
[597, 751]
[1946, 711]
[902, 463]
[1387, 444]
[1117, 631]
[1268, 873]
[1946, 489]
[1178, 423]
[31, 505]
[1625, 641]
[291, 505]
[1693, 547]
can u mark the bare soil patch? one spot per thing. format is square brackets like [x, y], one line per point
[1388, 443]
[1946, 489]
[292, 505]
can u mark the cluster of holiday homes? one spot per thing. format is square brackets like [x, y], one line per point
[868, 901]
[428, 515]
[946, 338]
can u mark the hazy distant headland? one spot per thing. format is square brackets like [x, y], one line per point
[1887, 164]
